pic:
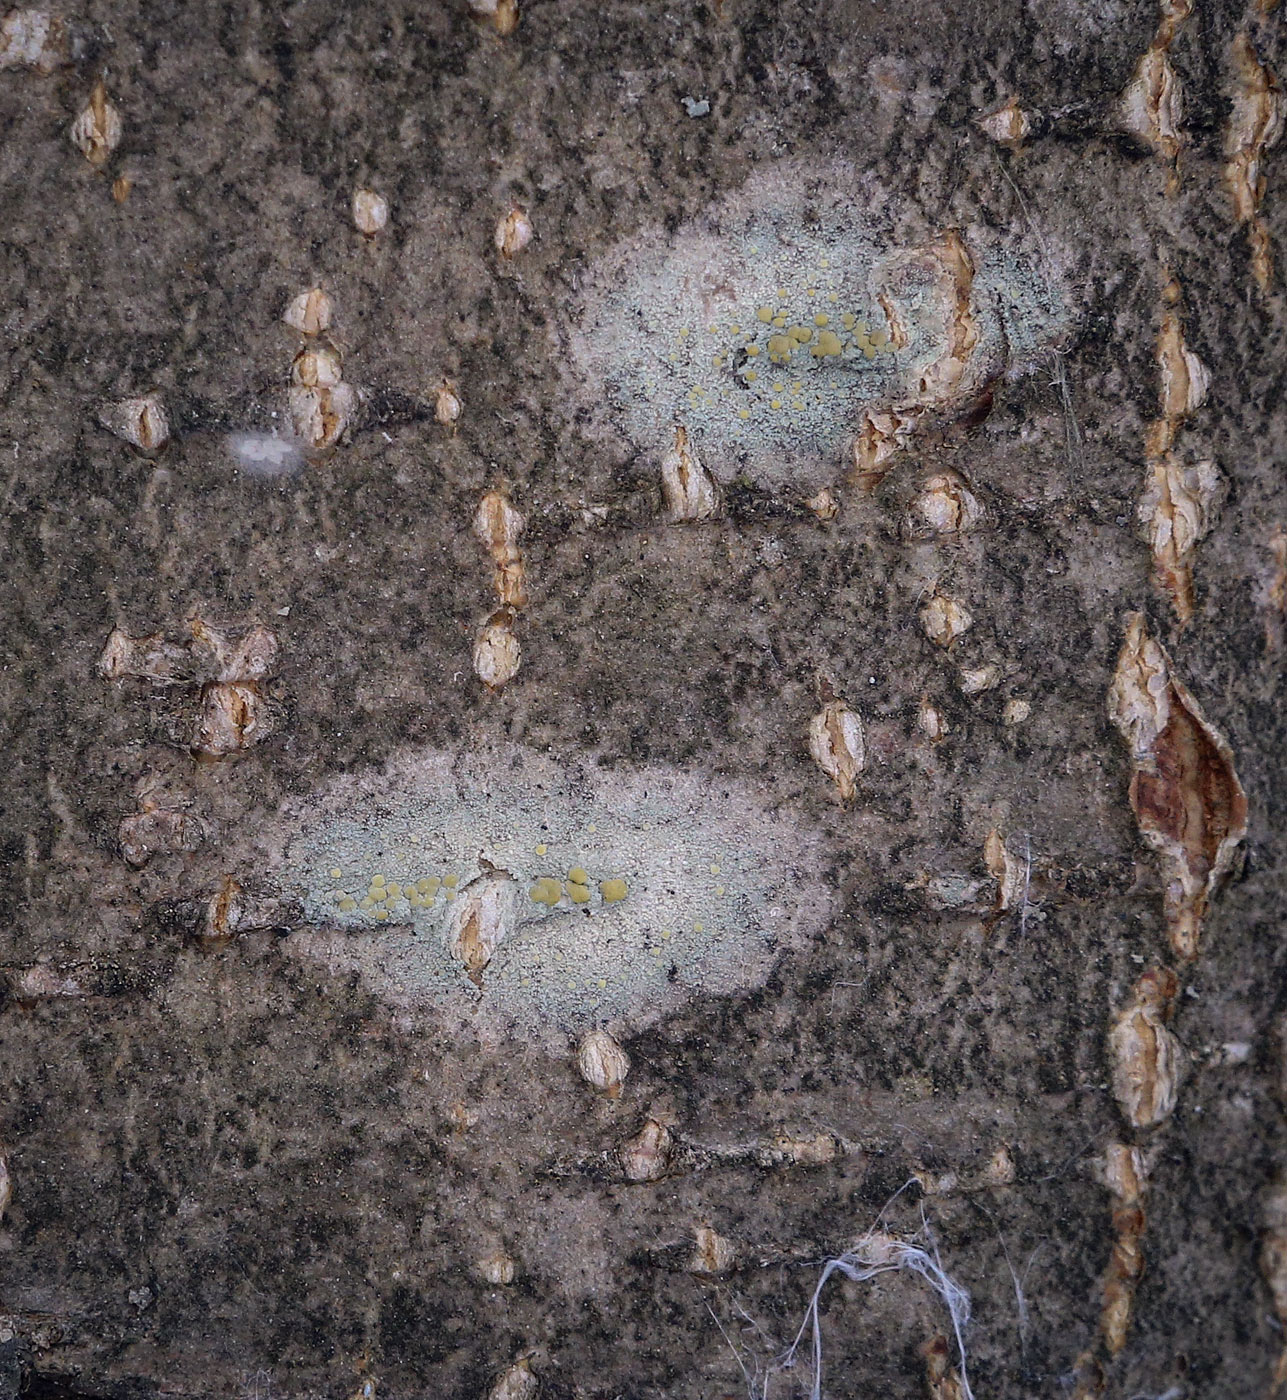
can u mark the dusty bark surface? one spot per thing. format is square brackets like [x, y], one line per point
[237, 1170]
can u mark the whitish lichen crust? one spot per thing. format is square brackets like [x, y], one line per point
[624, 891]
[766, 327]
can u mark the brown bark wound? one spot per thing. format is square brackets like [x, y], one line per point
[1184, 790]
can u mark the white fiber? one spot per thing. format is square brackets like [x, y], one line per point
[880, 1253]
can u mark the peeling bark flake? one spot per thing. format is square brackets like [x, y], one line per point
[1176, 510]
[1010, 874]
[484, 916]
[836, 745]
[689, 489]
[1145, 1055]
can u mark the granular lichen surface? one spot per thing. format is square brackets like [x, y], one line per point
[767, 325]
[632, 890]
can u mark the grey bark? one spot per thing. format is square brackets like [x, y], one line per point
[237, 1171]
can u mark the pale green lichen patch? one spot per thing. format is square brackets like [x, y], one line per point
[650, 885]
[767, 326]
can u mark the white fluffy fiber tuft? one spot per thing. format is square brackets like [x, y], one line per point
[879, 1253]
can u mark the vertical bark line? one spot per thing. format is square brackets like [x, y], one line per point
[1177, 505]
[1255, 127]
[1191, 809]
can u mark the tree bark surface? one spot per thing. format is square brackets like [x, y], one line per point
[239, 1168]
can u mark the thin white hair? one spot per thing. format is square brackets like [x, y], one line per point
[880, 1253]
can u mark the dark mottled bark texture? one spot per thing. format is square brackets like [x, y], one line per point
[235, 1174]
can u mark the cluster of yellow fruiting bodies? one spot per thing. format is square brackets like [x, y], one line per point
[385, 897]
